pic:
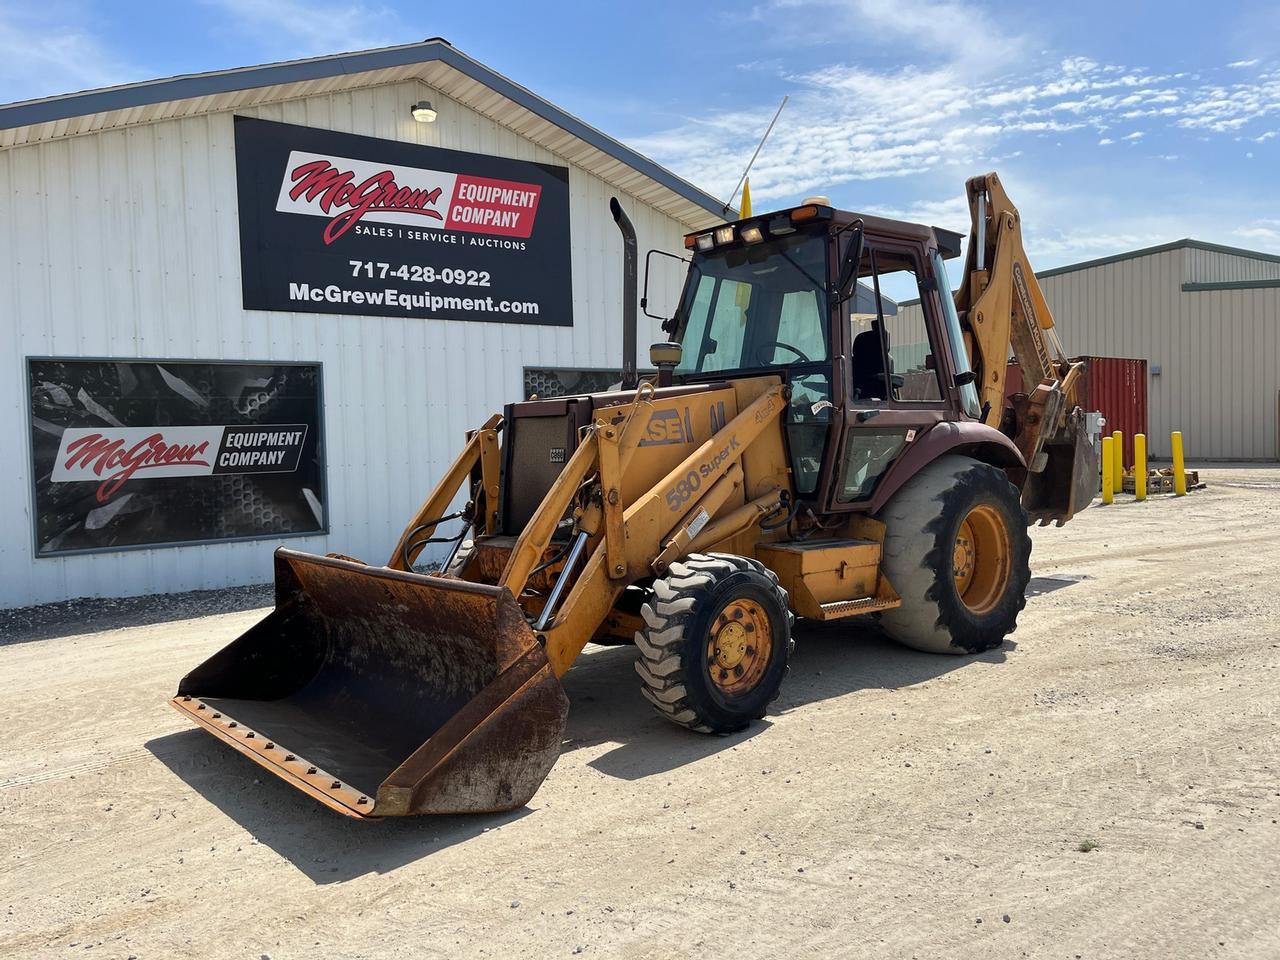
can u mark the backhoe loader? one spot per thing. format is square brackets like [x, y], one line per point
[811, 446]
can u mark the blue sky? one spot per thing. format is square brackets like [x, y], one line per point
[1114, 125]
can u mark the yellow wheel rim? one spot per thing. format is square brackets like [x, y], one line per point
[981, 559]
[739, 647]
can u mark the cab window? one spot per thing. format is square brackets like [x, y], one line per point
[892, 354]
[755, 306]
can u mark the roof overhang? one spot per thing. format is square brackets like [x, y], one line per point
[434, 62]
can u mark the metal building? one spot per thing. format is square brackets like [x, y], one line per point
[1206, 318]
[165, 291]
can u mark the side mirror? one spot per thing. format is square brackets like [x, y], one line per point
[666, 356]
[966, 378]
[849, 265]
[644, 297]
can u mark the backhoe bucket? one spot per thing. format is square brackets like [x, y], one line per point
[1069, 480]
[382, 693]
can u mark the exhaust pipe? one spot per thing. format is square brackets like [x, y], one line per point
[630, 375]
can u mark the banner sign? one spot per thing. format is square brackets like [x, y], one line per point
[337, 223]
[132, 453]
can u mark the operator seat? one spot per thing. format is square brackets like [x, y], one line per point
[870, 379]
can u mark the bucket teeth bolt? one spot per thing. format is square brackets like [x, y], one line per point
[186, 699]
[363, 800]
[288, 757]
[249, 735]
[311, 769]
[233, 724]
[337, 784]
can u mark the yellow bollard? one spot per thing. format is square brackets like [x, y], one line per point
[1118, 462]
[1108, 469]
[1179, 465]
[1140, 466]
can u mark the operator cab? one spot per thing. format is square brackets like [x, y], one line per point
[845, 308]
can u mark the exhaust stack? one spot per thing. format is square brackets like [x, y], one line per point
[630, 374]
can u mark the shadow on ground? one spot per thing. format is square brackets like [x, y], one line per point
[831, 660]
[1042, 585]
[325, 846]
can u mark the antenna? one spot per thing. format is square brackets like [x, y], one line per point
[743, 178]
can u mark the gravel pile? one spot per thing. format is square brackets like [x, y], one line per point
[91, 615]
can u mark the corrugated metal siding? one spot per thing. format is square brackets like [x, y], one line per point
[1212, 266]
[1118, 388]
[1217, 350]
[1219, 381]
[125, 243]
[1114, 386]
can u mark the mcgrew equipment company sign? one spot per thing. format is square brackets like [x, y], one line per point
[336, 223]
[131, 453]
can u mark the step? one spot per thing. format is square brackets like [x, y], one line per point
[839, 609]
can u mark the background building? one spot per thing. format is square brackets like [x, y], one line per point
[158, 272]
[1205, 317]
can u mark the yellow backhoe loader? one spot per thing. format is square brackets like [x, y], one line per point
[813, 445]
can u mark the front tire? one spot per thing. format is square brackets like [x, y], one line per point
[715, 644]
[956, 549]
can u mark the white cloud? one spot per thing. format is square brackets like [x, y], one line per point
[1265, 230]
[1240, 64]
[851, 119]
[308, 29]
[38, 59]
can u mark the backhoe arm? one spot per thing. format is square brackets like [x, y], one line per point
[1004, 311]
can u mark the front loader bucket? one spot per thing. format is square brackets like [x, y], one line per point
[1069, 480]
[382, 693]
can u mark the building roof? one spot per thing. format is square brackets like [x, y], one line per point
[1188, 286]
[435, 62]
[1183, 244]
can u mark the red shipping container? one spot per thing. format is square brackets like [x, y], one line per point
[1114, 386]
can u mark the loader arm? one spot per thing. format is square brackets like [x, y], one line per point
[662, 525]
[1004, 311]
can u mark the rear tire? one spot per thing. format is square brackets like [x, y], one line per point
[715, 644]
[956, 549]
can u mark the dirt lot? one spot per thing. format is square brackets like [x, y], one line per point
[894, 804]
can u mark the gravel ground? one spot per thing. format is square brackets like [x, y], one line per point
[1105, 785]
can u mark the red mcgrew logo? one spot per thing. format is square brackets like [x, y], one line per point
[348, 191]
[116, 455]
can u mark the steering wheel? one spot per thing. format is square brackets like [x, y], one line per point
[763, 349]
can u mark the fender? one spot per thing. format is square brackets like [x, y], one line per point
[968, 437]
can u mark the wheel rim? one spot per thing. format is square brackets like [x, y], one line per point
[981, 561]
[739, 647]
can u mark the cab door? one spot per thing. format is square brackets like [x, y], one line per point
[893, 388]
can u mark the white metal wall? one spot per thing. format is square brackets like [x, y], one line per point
[125, 243]
[1218, 351]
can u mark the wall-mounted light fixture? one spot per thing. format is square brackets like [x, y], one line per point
[423, 112]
